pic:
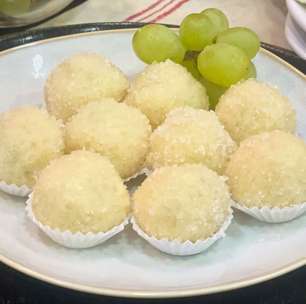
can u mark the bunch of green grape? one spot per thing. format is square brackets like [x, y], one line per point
[215, 54]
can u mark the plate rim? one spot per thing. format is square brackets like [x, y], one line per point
[17, 41]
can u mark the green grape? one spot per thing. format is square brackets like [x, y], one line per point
[191, 65]
[223, 64]
[242, 37]
[14, 7]
[217, 18]
[155, 42]
[197, 31]
[214, 92]
[251, 72]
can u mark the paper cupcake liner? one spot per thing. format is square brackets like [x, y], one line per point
[145, 171]
[183, 248]
[13, 189]
[74, 240]
[274, 215]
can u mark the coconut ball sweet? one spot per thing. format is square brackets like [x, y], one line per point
[29, 139]
[268, 170]
[190, 136]
[115, 130]
[251, 107]
[81, 79]
[80, 192]
[188, 202]
[162, 87]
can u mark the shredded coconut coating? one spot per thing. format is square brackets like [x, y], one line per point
[162, 87]
[191, 136]
[188, 202]
[269, 170]
[252, 107]
[80, 192]
[29, 139]
[81, 79]
[113, 129]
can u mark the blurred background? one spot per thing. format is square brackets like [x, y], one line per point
[266, 17]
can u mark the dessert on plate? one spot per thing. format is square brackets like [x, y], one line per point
[268, 172]
[29, 139]
[80, 79]
[179, 208]
[190, 136]
[79, 196]
[252, 107]
[162, 87]
[115, 130]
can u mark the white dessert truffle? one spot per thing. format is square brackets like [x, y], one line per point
[251, 107]
[190, 136]
[188, 202]
[115, 130]
[80, 192]
[268, 170]
[162, 87]
[29, 139]
[81, 79]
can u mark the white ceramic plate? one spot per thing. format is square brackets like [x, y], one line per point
[295, 37]
[126, 265]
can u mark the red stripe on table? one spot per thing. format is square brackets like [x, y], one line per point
[144, 10]
[156, 11]
[168, 12]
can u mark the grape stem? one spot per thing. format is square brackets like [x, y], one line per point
[191, 55]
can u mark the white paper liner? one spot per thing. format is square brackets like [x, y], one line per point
[13, 189]
[74, 240]
[183, 248]
[145, 171]
[274, 215]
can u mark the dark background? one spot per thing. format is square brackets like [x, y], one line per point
[16, 288]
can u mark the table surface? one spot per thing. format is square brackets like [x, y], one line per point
[16, 288]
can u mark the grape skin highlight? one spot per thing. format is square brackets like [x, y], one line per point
[223, 64]
[217, 18]
[156, 43]
[243, 38]
[197, 31]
